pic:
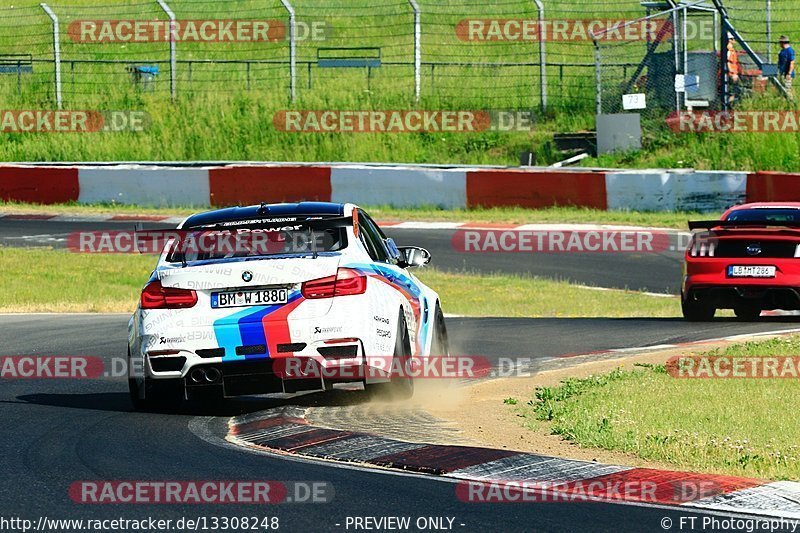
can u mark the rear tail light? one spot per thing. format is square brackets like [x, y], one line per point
[155, 296]
[346, 282]
[702, 247]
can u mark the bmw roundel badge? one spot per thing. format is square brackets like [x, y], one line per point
[247, 276]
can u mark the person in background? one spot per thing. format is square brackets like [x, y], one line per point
[734, 71]
[786, 65]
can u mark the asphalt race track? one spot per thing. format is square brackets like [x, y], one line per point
[57, 432]
[654, 272]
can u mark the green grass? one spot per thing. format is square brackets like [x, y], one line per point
[45, 280]
[238, 127]
[715, 151]
[733, 426]
[218, 117]
[510, 215]
[525, 296]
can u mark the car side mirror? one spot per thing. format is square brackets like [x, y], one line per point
[413, 256]
[394, 251]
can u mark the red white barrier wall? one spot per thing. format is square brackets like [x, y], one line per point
[400, 186]
[39, 185]
[675, 190]
[144, 186]
[536, 188]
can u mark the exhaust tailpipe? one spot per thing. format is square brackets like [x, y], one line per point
[212, 375]
[198, 375]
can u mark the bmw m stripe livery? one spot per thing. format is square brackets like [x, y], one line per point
[307, 296]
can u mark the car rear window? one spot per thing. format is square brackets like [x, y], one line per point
[203, 244]
[765, 215]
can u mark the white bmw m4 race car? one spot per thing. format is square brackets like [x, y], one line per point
[280, 298]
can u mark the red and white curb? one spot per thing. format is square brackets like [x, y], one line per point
[290, 433]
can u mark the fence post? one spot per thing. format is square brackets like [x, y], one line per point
[769, 31]
[56, 51]
[685, 39]
[723, 71]
[417, 48]
[173, 60]
[676, 53]
[542, 55]
[716, 29]
[598, 77]
[292, 50]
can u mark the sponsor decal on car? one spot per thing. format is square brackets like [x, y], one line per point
[324, 331]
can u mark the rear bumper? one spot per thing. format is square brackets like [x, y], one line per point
[706, 279]
[244, 356]
[316, 366]
[238, 378]
[729, 296]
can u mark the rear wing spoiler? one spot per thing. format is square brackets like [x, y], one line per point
[727, 224]
[319, 223]
[284, 223]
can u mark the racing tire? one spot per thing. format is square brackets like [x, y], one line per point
[163, 396]
[399, 387]
[747, 312]
[206, 400]
[440, 347]
[138, 403]
[697, 311]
